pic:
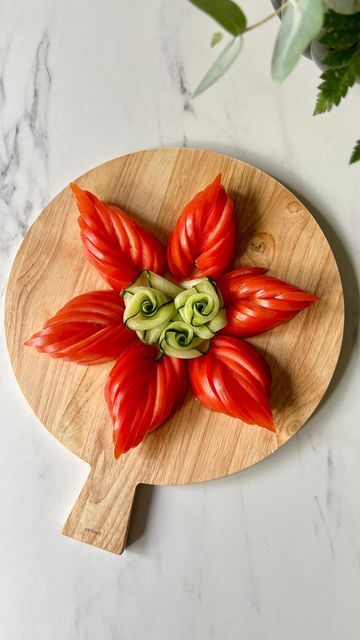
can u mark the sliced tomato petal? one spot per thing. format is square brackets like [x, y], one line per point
[88, 329]
[256, 302]
[141, 392]
[233, 378]
[115, 244]
[203, 240]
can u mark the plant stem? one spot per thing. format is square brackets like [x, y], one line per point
[272, 15]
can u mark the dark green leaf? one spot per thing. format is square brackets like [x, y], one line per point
[216, 38]
[227, 13]
[338, 58]
[336, 82]
[355, 156]
[340, 40]
[340, 31]
[334, 20]
[334, 87]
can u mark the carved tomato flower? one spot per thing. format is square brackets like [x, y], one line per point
[165, 332]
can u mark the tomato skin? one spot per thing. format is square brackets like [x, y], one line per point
[115, 244]
[89, 329]
[256, 302]
[141, 393]
[233, 378]
[203, 240]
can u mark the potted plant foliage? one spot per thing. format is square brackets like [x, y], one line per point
[327, 31]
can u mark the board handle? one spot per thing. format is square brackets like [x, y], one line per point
[101, 514]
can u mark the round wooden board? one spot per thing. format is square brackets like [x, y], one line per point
[275, 230]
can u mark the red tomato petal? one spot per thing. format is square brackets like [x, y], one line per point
[116, 245]
[141, 393]
[243, 359]
[233, 378]
[89, 329]
[203, 240]
[256, 302]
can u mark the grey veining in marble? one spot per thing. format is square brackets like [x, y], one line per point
[273, 552]
[24, 149]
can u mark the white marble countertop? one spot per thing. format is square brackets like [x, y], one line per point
[273, 552]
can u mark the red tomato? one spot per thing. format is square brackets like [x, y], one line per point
[203, 240]
[89, 329]
[141, 393]
[233, 378]
[116, 245]
[256, 303]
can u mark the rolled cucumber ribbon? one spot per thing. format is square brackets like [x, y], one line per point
[179, 341]
[149, 305]
[201, 306]
[146, 308]
[147, 278]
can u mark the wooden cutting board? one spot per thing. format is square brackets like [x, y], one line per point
[274, 230]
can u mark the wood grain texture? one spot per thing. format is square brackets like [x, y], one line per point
[275, 230]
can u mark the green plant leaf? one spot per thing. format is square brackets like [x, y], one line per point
[355, 156]
[340, 31]
[333, 88]
[301, 22]
[216, 38]
[227, 13]
[336, 82]
[226, 58]
[338, 58]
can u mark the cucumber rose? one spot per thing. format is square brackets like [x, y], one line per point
[179, 340]
[147, 311]
[201, 306]
[180, 319]
[149, 305]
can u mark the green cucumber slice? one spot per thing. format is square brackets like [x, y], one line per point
[164, 285]
[147, 308]
[199, 304]
[186, 355]
[151, 336]
[219, 322]
[179, 341]
[147, 278]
